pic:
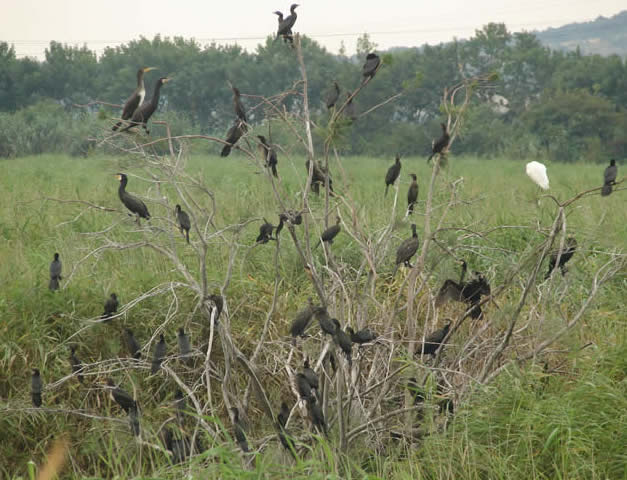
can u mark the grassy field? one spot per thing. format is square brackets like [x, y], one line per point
[571, 423]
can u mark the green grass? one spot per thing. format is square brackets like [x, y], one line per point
[525, 425]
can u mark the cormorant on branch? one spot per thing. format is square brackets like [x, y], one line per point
[237, 105]
[135, 100]
[238, 430]
[362, 336]
[131, 344]
[145, 111]
[318, 177]
[285, 25]
[36, 387]
[609, 178]
[158, 355]
[302, 320]
[265, 232]
[412, 194]
[370, 67]
[332, 96]
[185, 347]
[269, 155]
[330, 233]
[55, 273]
[440, 145]
[236, 132]
[183, 221]
[134, 204]
[407, 249]
[570, 247]
[434, 340]
[110, 307]
[392, 174]
[467, 292]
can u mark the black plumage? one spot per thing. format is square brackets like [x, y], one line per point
[343, 340]
[131, 343]
[133, 420]
[218, 301]
[609, 178]
[180, 406]
[362, 336]
[135, 100]
[269, 155]
[145, 111]
[570, 246]
[441, 143]
[237, 105]
[468, 292]
[434, 340]
[183, 221]
[110, 307]
[121, 397]
[286, 24]
[55, 273]
[237, 130]
[238, 431]
[318, 177]
[77, 365]
[284, 437]
[185, 347]
[134, 204]
[303, 386]
[310, 375]
[36, 387]
[327, 325]
[158, 355]
[332, 96]
[392, 174]
[302, 320]
[407, 249]
[412, 194]
[265, 232]
[370, 67]
[330, 233]
[316, 416]
[350, 109]
[284, 415]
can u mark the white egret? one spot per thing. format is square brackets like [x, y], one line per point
[537, 172]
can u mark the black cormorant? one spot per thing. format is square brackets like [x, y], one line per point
[110, 307]
[286, 24]
[232, 137]
[468, 292]
[343, 340]
[570, 246]
[55, 273]
[330, 233]
[303, 386]
[36, 387]
[185, 347]
[183, 221]
[310, 375]
[145, 111]
[77, 366]
[218, 301]
[407, 249]
[301, 321]
[269, 155]
[158, 355]
[316, 416]
[285, 439]
[412, 194]
[441, 143]
[265, 232]
[238, 431]
[392, 174]
[434, 340]
[283, 415]
[371, 65]
[332, 96]
[609, 178]
[121, 397]
[136, 98]
[134, 204]
[350, 110]
[362, 336]
[318, 177]
[327, 324]
[237, 105]
[131, 343]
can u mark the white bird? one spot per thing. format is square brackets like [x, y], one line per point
[536, 171]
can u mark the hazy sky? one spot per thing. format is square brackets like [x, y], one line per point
[31, 24]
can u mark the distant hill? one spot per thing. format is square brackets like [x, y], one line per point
[605, 36]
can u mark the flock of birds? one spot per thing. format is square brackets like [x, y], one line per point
[136, 112]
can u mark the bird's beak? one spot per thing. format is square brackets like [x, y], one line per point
[166, 80]
[148, 69]
[118, 176]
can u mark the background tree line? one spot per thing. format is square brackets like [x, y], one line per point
[562, 106]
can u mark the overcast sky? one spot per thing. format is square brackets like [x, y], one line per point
[31, 24]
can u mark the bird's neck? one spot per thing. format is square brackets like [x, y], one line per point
[155, 95]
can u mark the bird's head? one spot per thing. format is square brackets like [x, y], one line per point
[336, 323]
[120, 176]
[612, 162]
[280, 14]
[448, 323]
[337, 220]
[164, 80]
[35, 371]
[261, 138]
[110, 382]
[350, 330]
[177, 208]
[114, 296]
[293, 7]
[371, 56]
[398, 158]
[306, 362]
[235, 413]
[235, 91]
[443, 125]
[56, 256]
[181, 331]
[148, 69]
[413, 176]
[161, 338]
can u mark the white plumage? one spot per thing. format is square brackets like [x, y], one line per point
[537, 172]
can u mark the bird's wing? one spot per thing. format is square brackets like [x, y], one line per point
[448, 291]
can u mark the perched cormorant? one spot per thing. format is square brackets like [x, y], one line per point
[318, 177]
[316, 416]
[441, 143]
[434, 340]
[303, 386]
[283, 415]
[468, 292]
[330, 233]
[55, 273]
[121, 397]
[343, 340]
[131, 343]
[77, 366]
[310, 375]
[327, 324]
[158, 355]
[269, 155]
[301, 321]
[265, 232]
[183, 221]
[332, 96]
[110, 307]
[145, 111]
[362, 336]
[286, 24]
[218, 301]
[134, 204]
[392, 174]
[237, 105]
[36, 387]
[232, 136]
[238, 431]
[371, 65]
[570, 246]
[412, 194]
[407, 249]
[185, 347]
[350, 110]
[609, 178]
[136, 98]
[284, 437]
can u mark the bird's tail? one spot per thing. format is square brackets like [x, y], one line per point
[386, 190]
[430, 157]
[116, 126]
[225, 151]
[317, 245]
[274, 171]
[606, 190]
[187, 235]
[395, 269]
[54, 283]
[410, 208]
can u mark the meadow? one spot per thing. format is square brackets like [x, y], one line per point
[565, 421]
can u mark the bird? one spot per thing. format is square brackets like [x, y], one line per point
[332, 96]
[370, 67]
[318, 177]
[136, 98]
[145, 111]
[218, 301]
[284, 415]
[121, 397]
[570, 246]
[237, 105]
[327, 324]
[468, 292]
[350, 110]
[110, 307]
[55, 273]
[302, 320]
[439, 145]
[330, 233]
[609, 179]
[406, 250]
[285, 439]
[238, 431]
[269, 155]
[279, 227]
[180, 406]
[310, 375]
[434, 340]
[343, 340]
[77, 366]
[316, 416]
[131, 343]
[303, 386]
[536, 171]
[237, 130]
[182, 219]
[36, 387]
[185, 347]
[158, 355]
[392, 174]
[362, 336]
[134, 204]
[412, 194]
[265, 232]
[286, 24]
